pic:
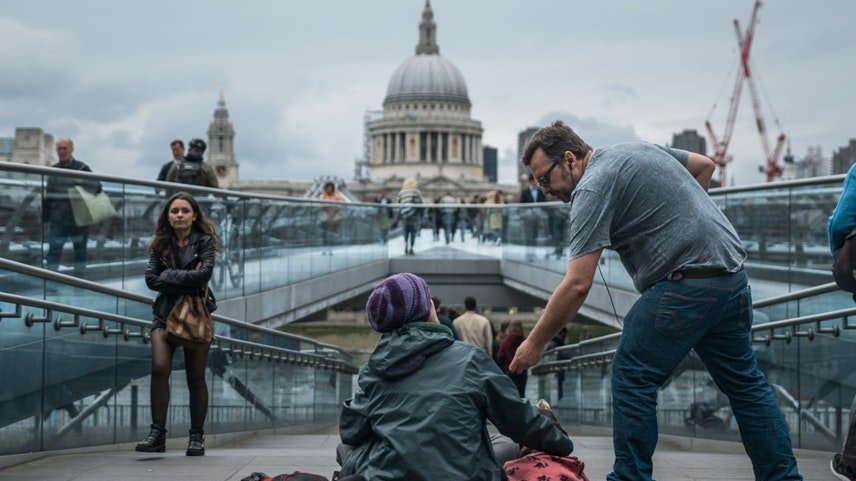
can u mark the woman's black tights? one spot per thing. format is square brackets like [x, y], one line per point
[194, 366]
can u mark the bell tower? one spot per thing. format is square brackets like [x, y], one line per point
[221, 145]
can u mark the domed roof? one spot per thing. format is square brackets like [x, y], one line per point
[427, 77]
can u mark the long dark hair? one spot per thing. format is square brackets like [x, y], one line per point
[164, 233]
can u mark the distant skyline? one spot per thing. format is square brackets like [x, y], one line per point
[124, 79]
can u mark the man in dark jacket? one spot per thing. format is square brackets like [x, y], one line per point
[423, 400]
[177, 148]
[57, 211]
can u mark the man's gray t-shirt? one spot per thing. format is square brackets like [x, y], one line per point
[640, 200]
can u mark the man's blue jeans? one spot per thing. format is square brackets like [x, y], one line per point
[714, 317]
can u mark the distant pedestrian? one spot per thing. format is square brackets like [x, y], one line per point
[408, 214]
[473, 327]
[57, 212]
[384, 214]
[506, 352]
[177, 148]
[443, 318]
[330, 218]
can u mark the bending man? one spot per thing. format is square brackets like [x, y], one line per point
[649, 204]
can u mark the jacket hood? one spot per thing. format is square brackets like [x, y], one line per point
[404, 350]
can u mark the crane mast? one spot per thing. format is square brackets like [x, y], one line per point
[744, 74]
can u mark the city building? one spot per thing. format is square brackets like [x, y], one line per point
[425, 130]
[490, 163]
[843, 158]
[691, 141]
[30, 145]
[813, 164]
[221, 145]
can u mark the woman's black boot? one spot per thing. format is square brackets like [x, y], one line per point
[155, 442]
[196, 443]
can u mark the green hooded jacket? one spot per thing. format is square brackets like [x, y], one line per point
[421, 409]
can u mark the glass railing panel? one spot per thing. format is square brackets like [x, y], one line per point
[536, 234]
[282, 405]
[253, 219]
[258, 393]
[595, 396]
[228, 406]
[810, 208]
[78, 369]
[226, 213]
[326, 407]
[132, 398]
[301, 396]
[21, 355]
[22, 233]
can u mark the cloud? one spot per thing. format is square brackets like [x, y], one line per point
[595, 132]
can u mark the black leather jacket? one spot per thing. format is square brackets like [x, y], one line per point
[186, 278]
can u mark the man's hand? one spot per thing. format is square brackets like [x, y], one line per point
[527, 355]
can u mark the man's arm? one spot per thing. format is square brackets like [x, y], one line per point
[701, 168]
[561, 308]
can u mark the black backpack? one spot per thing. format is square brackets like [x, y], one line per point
[190, 173]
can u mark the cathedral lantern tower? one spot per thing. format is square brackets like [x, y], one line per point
[221, 145]
[426, 130]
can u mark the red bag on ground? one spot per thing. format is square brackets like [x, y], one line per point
[541, 466]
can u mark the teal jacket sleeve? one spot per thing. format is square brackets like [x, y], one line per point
[843, 218]
[516, 417]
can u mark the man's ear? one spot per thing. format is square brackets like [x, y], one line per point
[570, 158]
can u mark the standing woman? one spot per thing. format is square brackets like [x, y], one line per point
[409, 215]
[181, 259]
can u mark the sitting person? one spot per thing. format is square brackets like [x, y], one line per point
[423, 401]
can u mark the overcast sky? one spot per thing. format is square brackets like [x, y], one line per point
[124, 78]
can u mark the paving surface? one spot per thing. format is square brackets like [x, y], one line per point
[315, 453]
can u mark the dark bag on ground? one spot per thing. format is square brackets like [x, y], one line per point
[844, 264]
[189, 323]
[295, 476]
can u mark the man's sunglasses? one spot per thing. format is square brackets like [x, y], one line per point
[543, 181]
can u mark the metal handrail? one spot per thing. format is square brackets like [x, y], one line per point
[266, 351]
[835, 331]
[29, 270]
[769, 301]
[796, 295]
[827, 179]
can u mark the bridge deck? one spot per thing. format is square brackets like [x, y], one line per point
[315, 453]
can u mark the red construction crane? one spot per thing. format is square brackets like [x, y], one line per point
[744, 74]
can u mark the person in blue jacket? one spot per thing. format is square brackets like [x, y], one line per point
[841, 222]
[423, 401]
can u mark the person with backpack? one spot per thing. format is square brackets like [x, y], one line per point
[193, 170]
[409, 215]
[841, 224]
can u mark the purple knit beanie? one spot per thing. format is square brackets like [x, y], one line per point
[398, 299]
